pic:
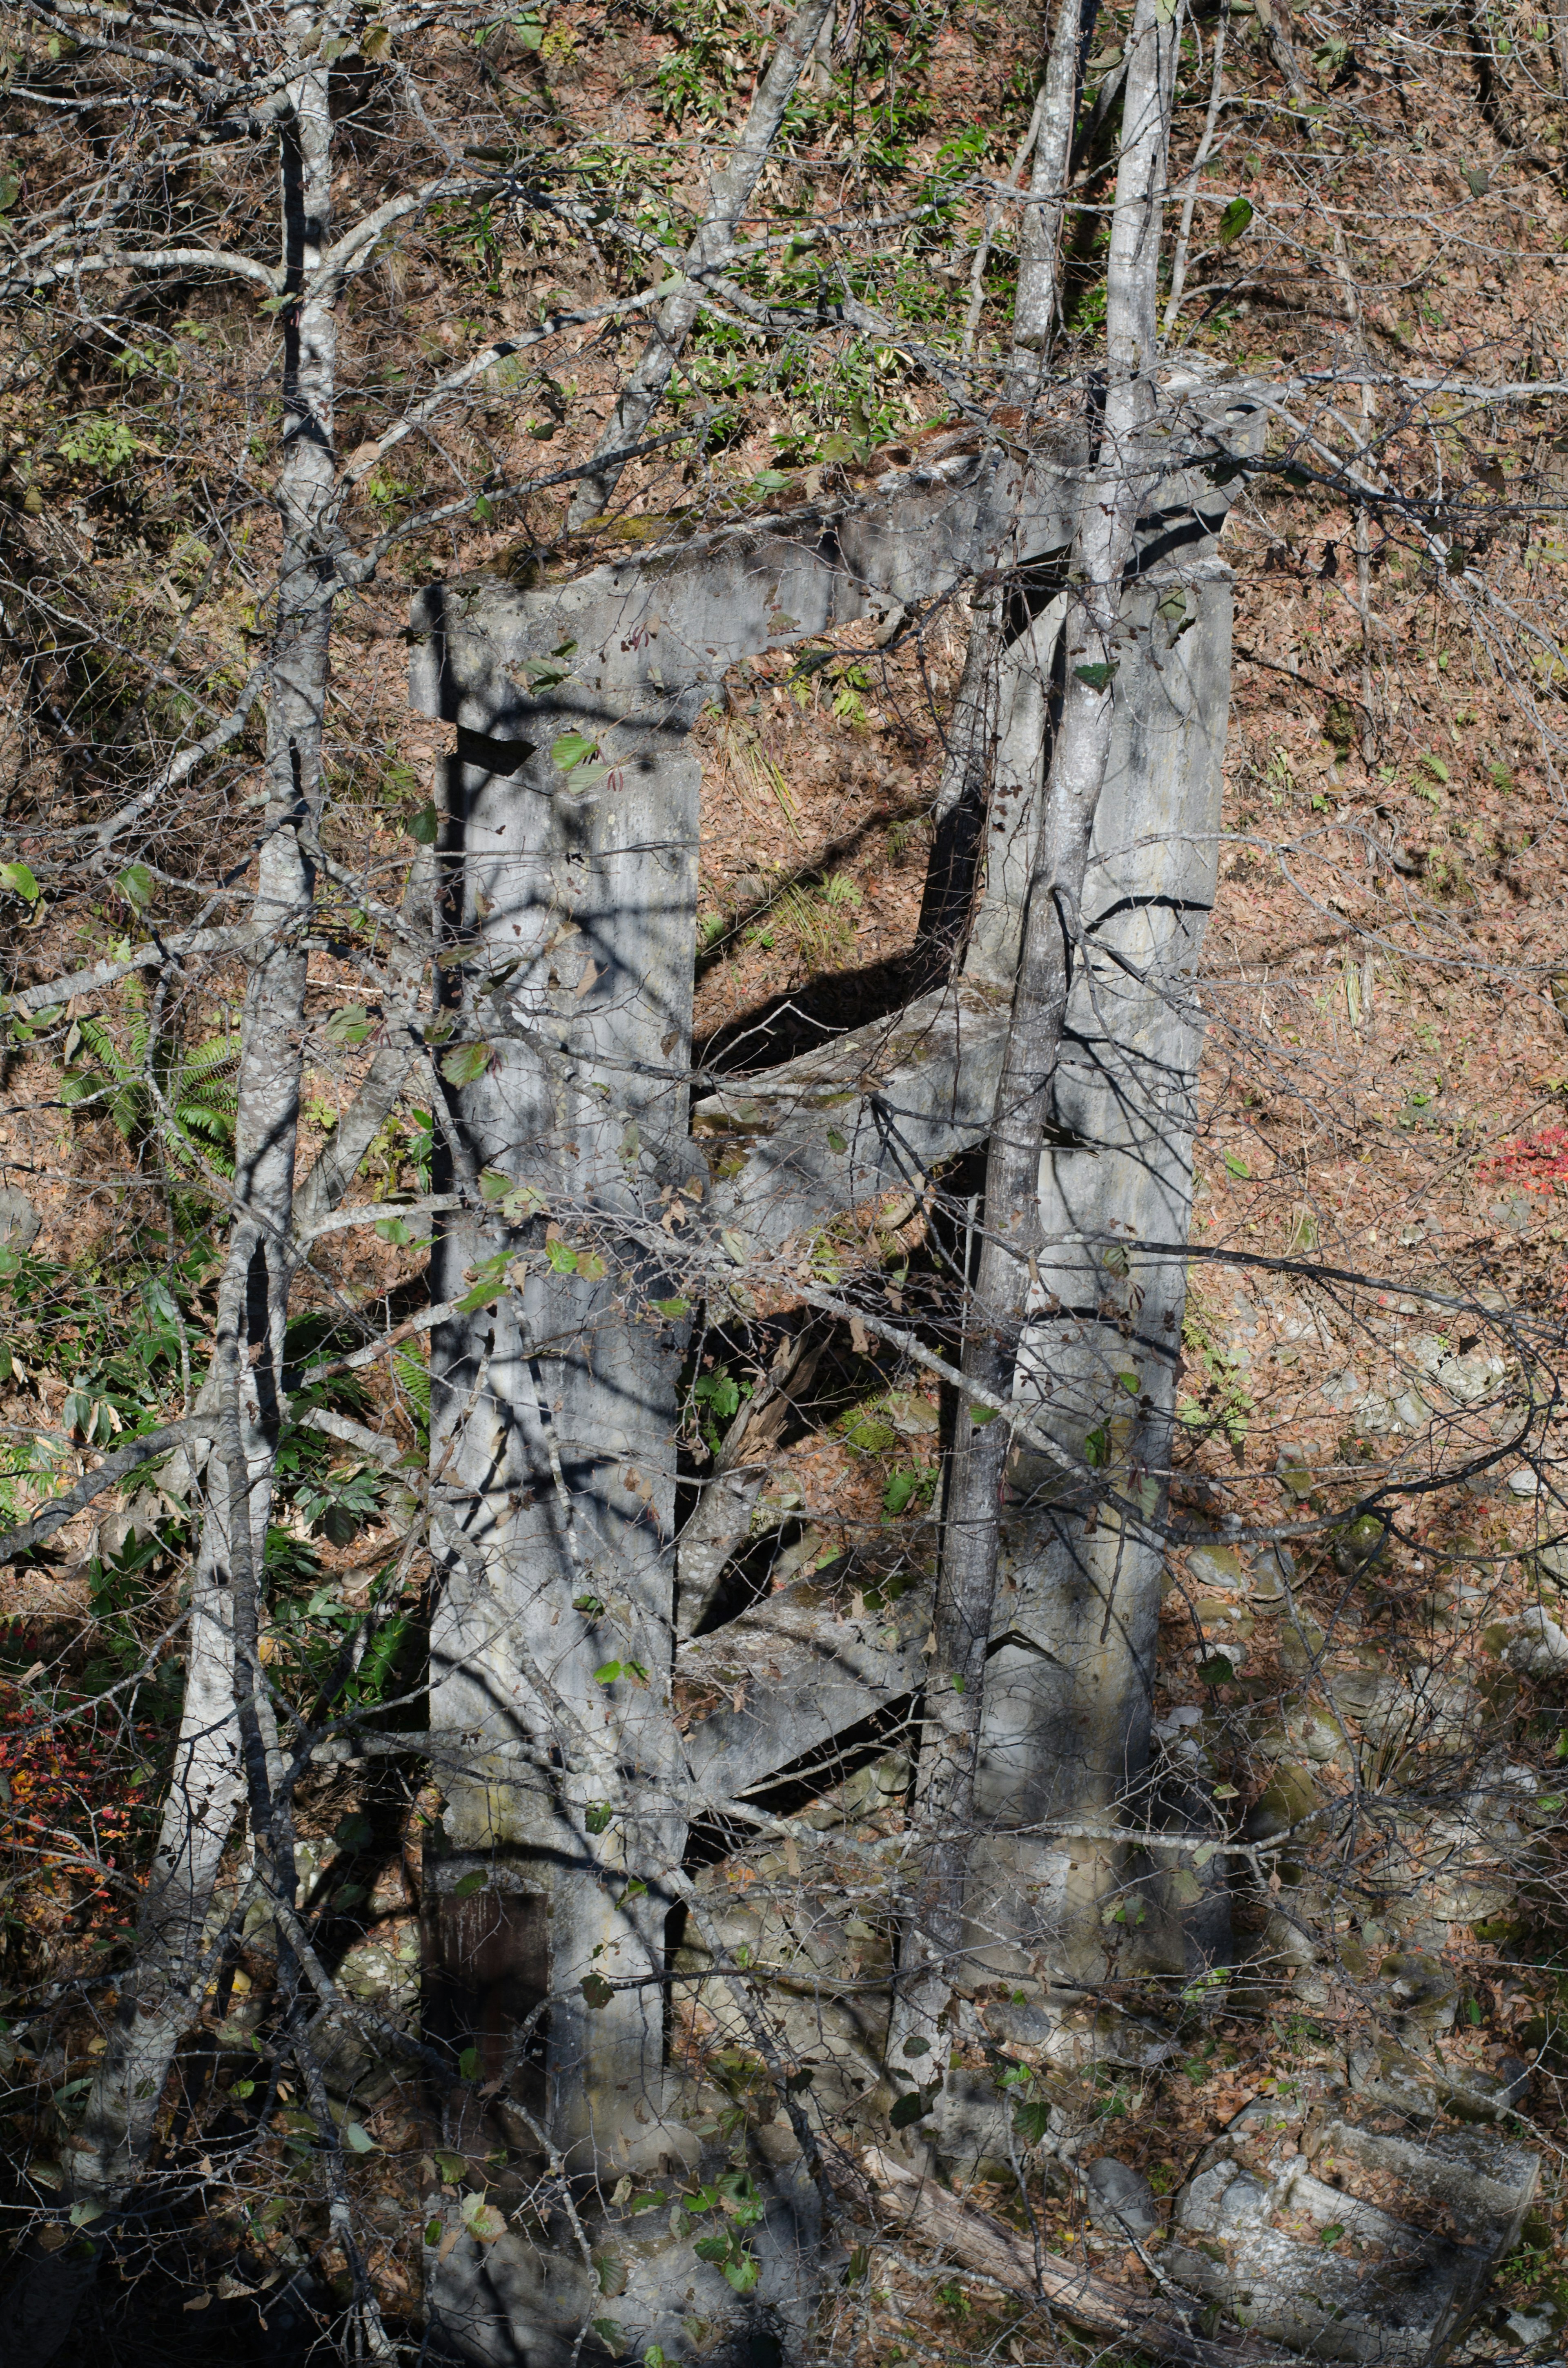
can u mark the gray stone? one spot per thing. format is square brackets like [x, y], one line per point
[1219, 1567]
[1538, 1648]
[20, 1223]
[1475, 2096]
[1399, 2291]
[1121, 2199]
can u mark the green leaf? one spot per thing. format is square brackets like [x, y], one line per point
[1236, 218]
[1235, 1166]
[375, 42]
[1216, 1671]
[433, 2232]
[10, 190]
[743, 2274]
[483, 512]
[452, 2167]
[18, 881]
[351, 1025]
[469, 1884]
[608, 1673]
[836, 1142]
[136, 886]
[590, 1606]
[1129, 1382]
[598, 1816]
[562, 1257]
[1435, 765]
[613, 2275]
[1550, 1801]
[358, 2137]
[464, 1062]
[912, 2108]
[899, 1490]
[672, 1310]
[425, 827]
[572, 748]
[482, 2220]
[354, 1834]
[1097, 676]
[596, 1991]
[468, 2064]
[243, 2088]
[1032, 2121]
[1332, 2234]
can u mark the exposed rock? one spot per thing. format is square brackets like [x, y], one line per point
[1219, 1567]
[20, 1223]
[1289, 1796]
[383, 1972]
[1121, 2199]
[1472, 2095]
[1358, 2284]
[1535, 1646]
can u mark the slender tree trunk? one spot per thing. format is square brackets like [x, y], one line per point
[964, 789]
[730, 190]
[1190, 201]
[160, 1997]
[1274, 16]
[967, 1589]
[1038, 307]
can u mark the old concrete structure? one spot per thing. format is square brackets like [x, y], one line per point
[570, 854]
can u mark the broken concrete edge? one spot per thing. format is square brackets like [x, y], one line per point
[919, 534]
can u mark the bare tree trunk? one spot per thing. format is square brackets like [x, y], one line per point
[727, 198]
[1274, 16]
[160, 1999]
[1183, 235]
[1038, 307]
[963, 792]
[967, 1589]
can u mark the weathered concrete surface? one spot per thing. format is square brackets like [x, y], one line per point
[1068, 1702]
[799, 1668]
[568, 866]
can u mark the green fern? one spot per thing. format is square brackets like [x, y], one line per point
[157, 1091]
